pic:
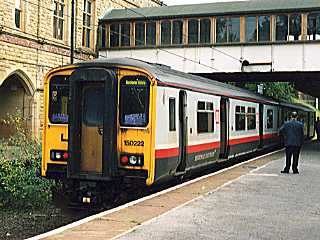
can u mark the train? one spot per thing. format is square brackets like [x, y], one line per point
[120, 125]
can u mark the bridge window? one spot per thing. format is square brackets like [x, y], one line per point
[240, 118]
[269, 118]
[205, 117]
[251, 29]
[139, 34]
[281, 28]
[151, 33]
[251, 118]
[125, 34]
[205, 30]
[120, 34]
[165, 33]
[114, 35]
[263, 28]
[177, 32]
[295, 27]
[314, 26]
[228, 29]
[193, 31]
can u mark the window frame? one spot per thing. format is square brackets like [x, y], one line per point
[208, 109]
[228, 30]
[241, 114]
[172, 114]
[250, 114]
[58, 18]
[87, 30]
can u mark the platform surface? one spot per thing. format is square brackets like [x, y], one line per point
[262, 204]
[252, 200]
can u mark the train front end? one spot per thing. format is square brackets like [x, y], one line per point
[110, 133]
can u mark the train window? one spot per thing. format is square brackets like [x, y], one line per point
[134, 101]
[240, 118]
[281, 27]
[295, 27]
[165, 33]
[205, 30]
[93, 110]
[58, 98]
[251, 118]
[139, 34]
[251, 29]
[228, 29]
[269, 118]
[205, 117]
[177, 32]
[114, 35]
[263, 28]
[125, 34]
[314, 26]
[151, 33]
[193, 31]
[172, 114]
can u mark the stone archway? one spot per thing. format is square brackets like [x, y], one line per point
[16, 94]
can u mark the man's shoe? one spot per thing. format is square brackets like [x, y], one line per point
[295, 172]
[284, 171]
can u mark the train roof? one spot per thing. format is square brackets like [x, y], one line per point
[167, 76]
[213, 9]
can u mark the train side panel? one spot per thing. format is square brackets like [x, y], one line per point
[244, 136]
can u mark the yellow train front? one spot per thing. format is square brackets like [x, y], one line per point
[109, 147]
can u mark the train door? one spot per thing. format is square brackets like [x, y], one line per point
[183, 132]
[92, 124]
[261, 122]
[224, 127]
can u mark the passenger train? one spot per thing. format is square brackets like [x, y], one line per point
[116, 124]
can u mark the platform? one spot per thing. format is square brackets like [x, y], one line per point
[248, 201]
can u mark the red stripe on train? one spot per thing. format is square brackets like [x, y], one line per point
[174, 152]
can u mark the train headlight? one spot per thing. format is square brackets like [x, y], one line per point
[59, 155]
[135, 160]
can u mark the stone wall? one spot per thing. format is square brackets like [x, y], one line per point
[29, 52]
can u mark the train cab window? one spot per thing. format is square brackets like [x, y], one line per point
[269, 118]
[295, 27]
[172, 114]
[58, 99]
[240, 118]
[205, 117]
[134, 101]
[281, 27]
[251, 118]
[313, 26]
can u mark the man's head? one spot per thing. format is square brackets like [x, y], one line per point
[294, 115]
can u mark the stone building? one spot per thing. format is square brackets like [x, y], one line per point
[34, 38]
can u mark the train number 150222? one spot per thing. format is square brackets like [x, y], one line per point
[134, 143]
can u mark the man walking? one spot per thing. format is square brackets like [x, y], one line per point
[292, 131]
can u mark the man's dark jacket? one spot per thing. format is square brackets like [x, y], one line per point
[292, 131]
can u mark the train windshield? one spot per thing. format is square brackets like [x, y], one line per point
[58, 99]
[134, 101]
